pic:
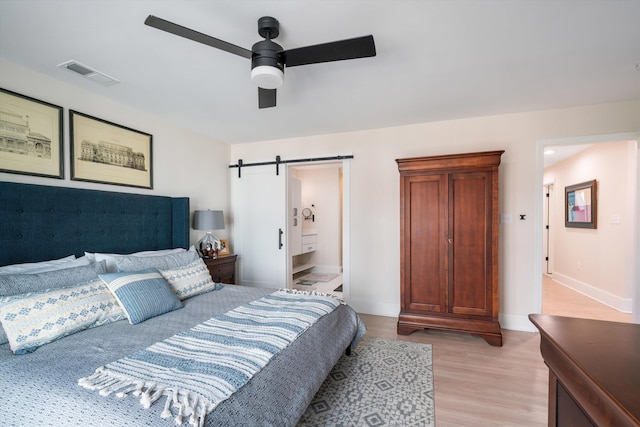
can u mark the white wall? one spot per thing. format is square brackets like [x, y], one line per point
[321, 188]
[184, 163]
[374, 222]
[594, 261]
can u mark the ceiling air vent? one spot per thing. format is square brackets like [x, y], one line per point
[89, 73]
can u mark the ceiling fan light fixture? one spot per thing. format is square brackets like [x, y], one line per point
[268, 59]
[267, 77]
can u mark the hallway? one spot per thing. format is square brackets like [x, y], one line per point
[560, 300]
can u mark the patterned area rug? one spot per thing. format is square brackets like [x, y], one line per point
[383, 383]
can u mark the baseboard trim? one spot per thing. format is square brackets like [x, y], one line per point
[621, 304]
[516, 322]
[376, 308]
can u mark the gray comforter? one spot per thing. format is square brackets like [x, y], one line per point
[40, 388]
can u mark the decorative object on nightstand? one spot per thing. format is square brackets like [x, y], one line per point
[208, 220]
[224, 247]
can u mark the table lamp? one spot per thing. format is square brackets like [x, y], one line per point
[208, 220]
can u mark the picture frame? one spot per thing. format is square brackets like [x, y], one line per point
[31, 141]
[108, 153]
[225, 250]
[581, 205]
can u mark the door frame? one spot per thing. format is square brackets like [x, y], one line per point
[548, 230]
[634, 272]
[345, 165]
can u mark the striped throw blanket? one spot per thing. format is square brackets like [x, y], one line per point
[199, 368]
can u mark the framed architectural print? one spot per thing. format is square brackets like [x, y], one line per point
[30, 136]
[581, 205]
[108, 153]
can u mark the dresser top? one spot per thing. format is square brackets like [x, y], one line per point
[607, 352]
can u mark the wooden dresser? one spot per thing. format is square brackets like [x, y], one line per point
[449, 244]
[222, 269]
[594, 371]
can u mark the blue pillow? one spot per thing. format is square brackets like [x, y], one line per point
[135, 263]
[142, 294]
[14, 284]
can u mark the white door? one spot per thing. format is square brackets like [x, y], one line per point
[258, 200]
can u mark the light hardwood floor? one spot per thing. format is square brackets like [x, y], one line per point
[559, 300]
[480, 385]
[477, 384]
[326, 287]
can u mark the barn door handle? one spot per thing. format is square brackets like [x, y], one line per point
[280, 233]
[450, 240]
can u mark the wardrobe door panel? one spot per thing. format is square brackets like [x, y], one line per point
[470, 196]
[426, 262]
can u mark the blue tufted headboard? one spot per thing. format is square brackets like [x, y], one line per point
[40, 222]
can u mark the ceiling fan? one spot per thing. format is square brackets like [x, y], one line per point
[268, 59]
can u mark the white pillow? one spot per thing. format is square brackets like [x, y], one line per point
[111, 259]
[34, 319]
[190, 280]
[39, 267]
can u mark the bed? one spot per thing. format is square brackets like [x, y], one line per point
[41, 387]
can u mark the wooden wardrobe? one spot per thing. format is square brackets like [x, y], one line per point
[449, 244]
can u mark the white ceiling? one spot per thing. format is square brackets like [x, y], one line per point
[436, 59]
[557, 153]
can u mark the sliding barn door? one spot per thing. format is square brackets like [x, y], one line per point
[258, 201]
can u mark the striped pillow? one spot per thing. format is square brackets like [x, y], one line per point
[190, 280]
[142, 294]
[37, 318]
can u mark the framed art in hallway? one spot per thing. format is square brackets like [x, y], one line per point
[30, 136]
[580, 208]
[109, 153]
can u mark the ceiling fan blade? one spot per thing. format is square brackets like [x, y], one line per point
[266, 98]
[190, 34]
[359, 47]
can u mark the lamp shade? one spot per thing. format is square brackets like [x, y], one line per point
[208, 220]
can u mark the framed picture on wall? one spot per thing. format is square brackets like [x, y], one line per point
[581, 205]
[109, 153]
[30, 136]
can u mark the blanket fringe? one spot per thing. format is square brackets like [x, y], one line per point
[185, 404]
[127, 376]
[315, 293]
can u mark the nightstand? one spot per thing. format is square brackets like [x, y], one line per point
[222, 269]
